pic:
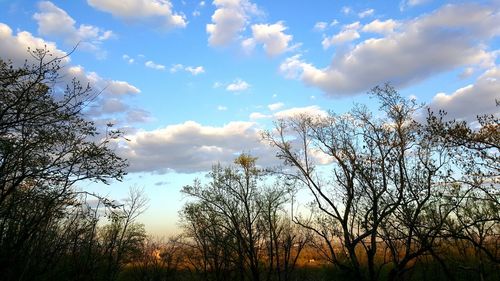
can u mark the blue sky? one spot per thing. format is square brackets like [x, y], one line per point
[193, 82]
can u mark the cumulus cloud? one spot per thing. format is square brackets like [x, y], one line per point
[472, 100]
[14, 47]
[275, 106]
[154, 12]
[194, 70]
[229, 20]
[107, 106]
[346, 10]
[382, 27]
[55, 22]
[258, 115]
[176, 67]
[348, 33]
[366, 13]
[128, 59]
[411, 3]
[115, 87]
[313, 110]
[320, 26]
[237, 86]
[153, 65]
[451, 37]
[192, 147]
[137, 115]
[221, 108]
[271, 36]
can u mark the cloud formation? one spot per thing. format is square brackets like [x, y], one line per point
[155, 12]
[271, 36]
[382, 27]
[313, 111]
[294, 112]
[411, 3]
[191, 147]
[194, 70]
[238, 85]
[348, 33]
[366, 13]
[275, 106]
[229, 20]
[14, 47]
[469, 101]
[153, 65]
[55, 22]
[448, 38]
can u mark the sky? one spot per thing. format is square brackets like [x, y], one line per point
[193, 83]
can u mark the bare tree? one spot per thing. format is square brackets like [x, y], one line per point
[383, 173]
[232, 196]
[123, 238]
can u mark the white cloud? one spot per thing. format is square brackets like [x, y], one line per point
[334, 22]
[417, 2]
[108, 106]
[128, 59]
[313, 111]
[421, 48]
[154, 65]
[221, 108]
[320, 26]
[176, 67]
[382, 27]
[472, 100]
[411, 3]
[348, 33]
[195, 70]
[192, 147]
[366, 13]
[155, 12]
[258, 115]
[272, 36]
[118, 87]
[55, 22]
[14, 47]
[346, 10]
[275, 106]
[228, 20]
[467, 72]
[138, 115]
[237, 86]
[248, 45]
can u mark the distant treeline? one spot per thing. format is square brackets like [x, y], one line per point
[397, 194]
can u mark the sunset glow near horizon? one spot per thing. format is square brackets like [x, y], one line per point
[193, 83]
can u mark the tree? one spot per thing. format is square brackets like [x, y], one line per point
[232, 198]
[379, 194]
[46, 147]
[476, 196]
[123, 238]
